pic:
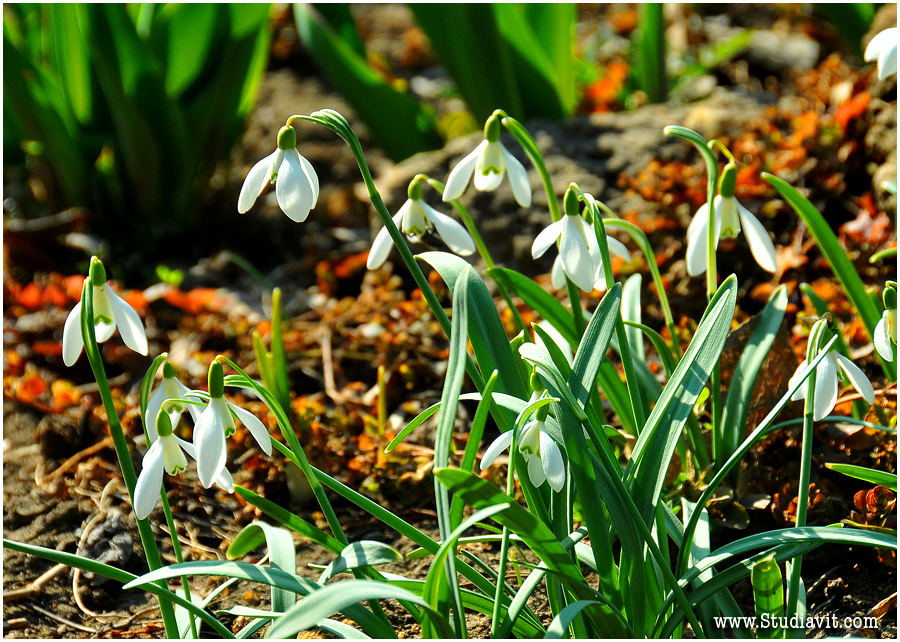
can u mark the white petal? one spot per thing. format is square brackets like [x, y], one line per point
[760, 244]
[454, 234]
[225, 481]
[153, 408]
[552, 460]
[311, 175]
[877, 43]
[826, 387]
[179, 391]
[293, 189]
[497, 446]
[547, 238]
[209, 444]
[696, 258]
[149, 484]
[103, 331]
[882, 340]
[618, 248]
[173, 458]
[129, 323]
[381, 247]
[800, 393]
[576, 258]
[857, 378]
[518, 178]
[72, 342]
[254, 183]
[487, 182]
[535, 470]
[255, 426]
[557, 274]
[887, 60]
[459, 177]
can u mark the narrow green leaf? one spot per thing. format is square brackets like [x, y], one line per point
[594, 343]
[282, 555]
[768, 597]
[837, 258]
[651, 52]
[743, 382]
[360, 555]
[554, 27]
[191, 30]
[879, 477]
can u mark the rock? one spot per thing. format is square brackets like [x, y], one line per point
[591, 151]
[782, 53]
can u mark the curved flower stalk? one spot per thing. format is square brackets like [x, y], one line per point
[883, 48]
[296, 183]
[416, 219]
[216, 423]
[170, 389]
[489, 163]
[110, 312]
[831, 369]
[730, 218]
[886, 330]
[541, 453]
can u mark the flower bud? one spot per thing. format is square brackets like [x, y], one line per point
[889, 298]
[415, 189]
[728, 180]
[535, 382]
[216, 380]
[287, 138]
[542, 413]
[163, 424]
[570, 202]
[168, 370]
[97, 272]
[492, 128]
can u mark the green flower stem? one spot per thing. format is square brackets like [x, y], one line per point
[91, 348]
[631, 379]
[484, 253]
[712, 180]
[815, 336]
[526, 140]
[176, 547]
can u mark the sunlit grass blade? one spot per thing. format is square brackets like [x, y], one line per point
[768, 596]
[554, 28]
[282, 555]
[879, 477]
[342, 597]
[290, 520]
[113, 573]
[400, 124]
[650, 459]
[743, 382]
[360, 555]
[837, 257]
[651, 52]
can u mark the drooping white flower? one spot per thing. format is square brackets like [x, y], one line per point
[170, 389]
[489, 162]
[216, 423]
[110, 312]
[886, 334]
[832, 368]
[542, 455]
[296, 183]
[883, 48]
[165, 453]
[575, 258]
[730, 215]
[416, 219]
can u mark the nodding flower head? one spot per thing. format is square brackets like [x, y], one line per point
[831, 369]
[296, 183]
[489, 163]
[110, 312]
[883, 48]
[885, 338]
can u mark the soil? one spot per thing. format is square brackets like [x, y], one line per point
[61, 485]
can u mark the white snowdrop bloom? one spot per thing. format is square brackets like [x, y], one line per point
[575, 258]
[170, 389]
[886, 335]
[296, 183]
[883, 48]
[416, 219]
[489, 163]
[831, 369]
[110, 312]
[542, 455]
[165, 453]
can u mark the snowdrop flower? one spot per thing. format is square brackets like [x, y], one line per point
[165, 453]
[542, 455]
[833, 367]
[110, 312]
[489, 163]
[416, 219]
[296, 183]
[216, 423]
[170, 389]
[883, 48]
[558, 273]
[729, 217]
[886, 331]
[578, 258]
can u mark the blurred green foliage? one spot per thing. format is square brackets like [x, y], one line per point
[132, 106]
